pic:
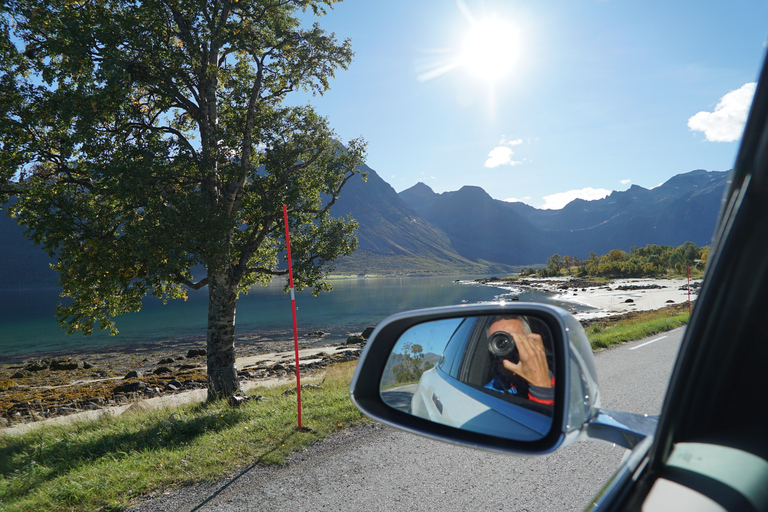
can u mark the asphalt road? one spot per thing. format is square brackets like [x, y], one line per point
[374, 467]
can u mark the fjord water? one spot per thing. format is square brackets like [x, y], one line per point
[28, 326]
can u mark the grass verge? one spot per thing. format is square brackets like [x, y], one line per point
[102, 465]
[639, 326]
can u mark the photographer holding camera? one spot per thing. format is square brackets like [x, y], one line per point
[522, 367]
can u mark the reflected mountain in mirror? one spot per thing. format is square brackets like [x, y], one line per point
[486, 374]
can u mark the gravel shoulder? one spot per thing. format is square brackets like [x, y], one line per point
[196, 496]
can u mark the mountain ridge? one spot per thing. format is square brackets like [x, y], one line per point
[418, 231]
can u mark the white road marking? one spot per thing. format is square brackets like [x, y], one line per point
[648, 343]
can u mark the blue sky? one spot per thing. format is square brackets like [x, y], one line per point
[586, 95]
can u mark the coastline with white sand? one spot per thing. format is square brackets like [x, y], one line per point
[610, 298]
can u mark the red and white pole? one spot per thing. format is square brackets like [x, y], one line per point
[688, 270]
[293, 308]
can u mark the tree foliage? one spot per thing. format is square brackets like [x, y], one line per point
[648, 261]
[147, 138]
[411, 364]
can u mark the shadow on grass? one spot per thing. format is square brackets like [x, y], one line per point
[34, 460]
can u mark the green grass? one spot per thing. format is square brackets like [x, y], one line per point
[605, 334]
[102, 465]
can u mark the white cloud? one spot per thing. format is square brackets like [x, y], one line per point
[515, 142]
[625, 182]
[500, 155]
[727, 121]
[559, 200]
[516, 200]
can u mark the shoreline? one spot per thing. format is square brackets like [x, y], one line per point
[92, 382]
[249, 343]
[605, 299]
[617, 297]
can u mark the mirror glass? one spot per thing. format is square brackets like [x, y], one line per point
[487, 374]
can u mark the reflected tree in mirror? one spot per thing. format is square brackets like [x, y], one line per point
[411, 365]
[487, 374]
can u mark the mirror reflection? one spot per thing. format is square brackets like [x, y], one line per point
[487, 374]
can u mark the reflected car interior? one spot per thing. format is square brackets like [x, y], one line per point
[454, 392]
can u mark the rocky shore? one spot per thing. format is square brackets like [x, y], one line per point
[42, 388]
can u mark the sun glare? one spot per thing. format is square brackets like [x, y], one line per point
[490, 49]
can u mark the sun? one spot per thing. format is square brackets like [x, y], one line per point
[490, 49]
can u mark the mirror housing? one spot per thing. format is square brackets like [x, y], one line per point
[577, 398]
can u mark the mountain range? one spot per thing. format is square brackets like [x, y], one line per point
[466, 231]
[685, 208]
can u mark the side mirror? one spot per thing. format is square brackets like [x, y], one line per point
[512, 377]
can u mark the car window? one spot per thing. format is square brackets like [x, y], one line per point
[479, 366]
[451, 360]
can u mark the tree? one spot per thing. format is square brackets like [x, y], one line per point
[554, 264]
[411, 364]
[143, 139]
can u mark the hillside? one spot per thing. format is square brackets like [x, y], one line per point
[468, 232]
[393, 238]
[685, 208]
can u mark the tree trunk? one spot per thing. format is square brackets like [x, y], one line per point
[222, 304]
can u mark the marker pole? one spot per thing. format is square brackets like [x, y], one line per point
[293, 309]
[688, 271]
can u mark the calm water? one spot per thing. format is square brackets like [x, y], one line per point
[28, 326]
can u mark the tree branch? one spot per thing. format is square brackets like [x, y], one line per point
[180, 279]
[268, 271]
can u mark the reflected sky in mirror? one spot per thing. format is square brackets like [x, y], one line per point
[491, 375]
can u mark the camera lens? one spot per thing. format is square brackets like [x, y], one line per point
[501, 344]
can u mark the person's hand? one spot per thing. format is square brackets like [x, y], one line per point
[533, 365]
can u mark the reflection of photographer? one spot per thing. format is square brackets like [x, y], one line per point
[521, 361]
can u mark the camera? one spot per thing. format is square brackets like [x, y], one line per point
[501, 344]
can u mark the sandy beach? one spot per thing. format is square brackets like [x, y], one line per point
[615, 298]
[624, 295]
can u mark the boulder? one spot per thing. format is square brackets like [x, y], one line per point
[167, 360]
[133, 374]
[367, 332]
[130, 387]
[64, 364]
[356, 338]
[161, 370]
[196, 352]
[37, 365]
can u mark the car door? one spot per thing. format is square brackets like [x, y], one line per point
[710, 451]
